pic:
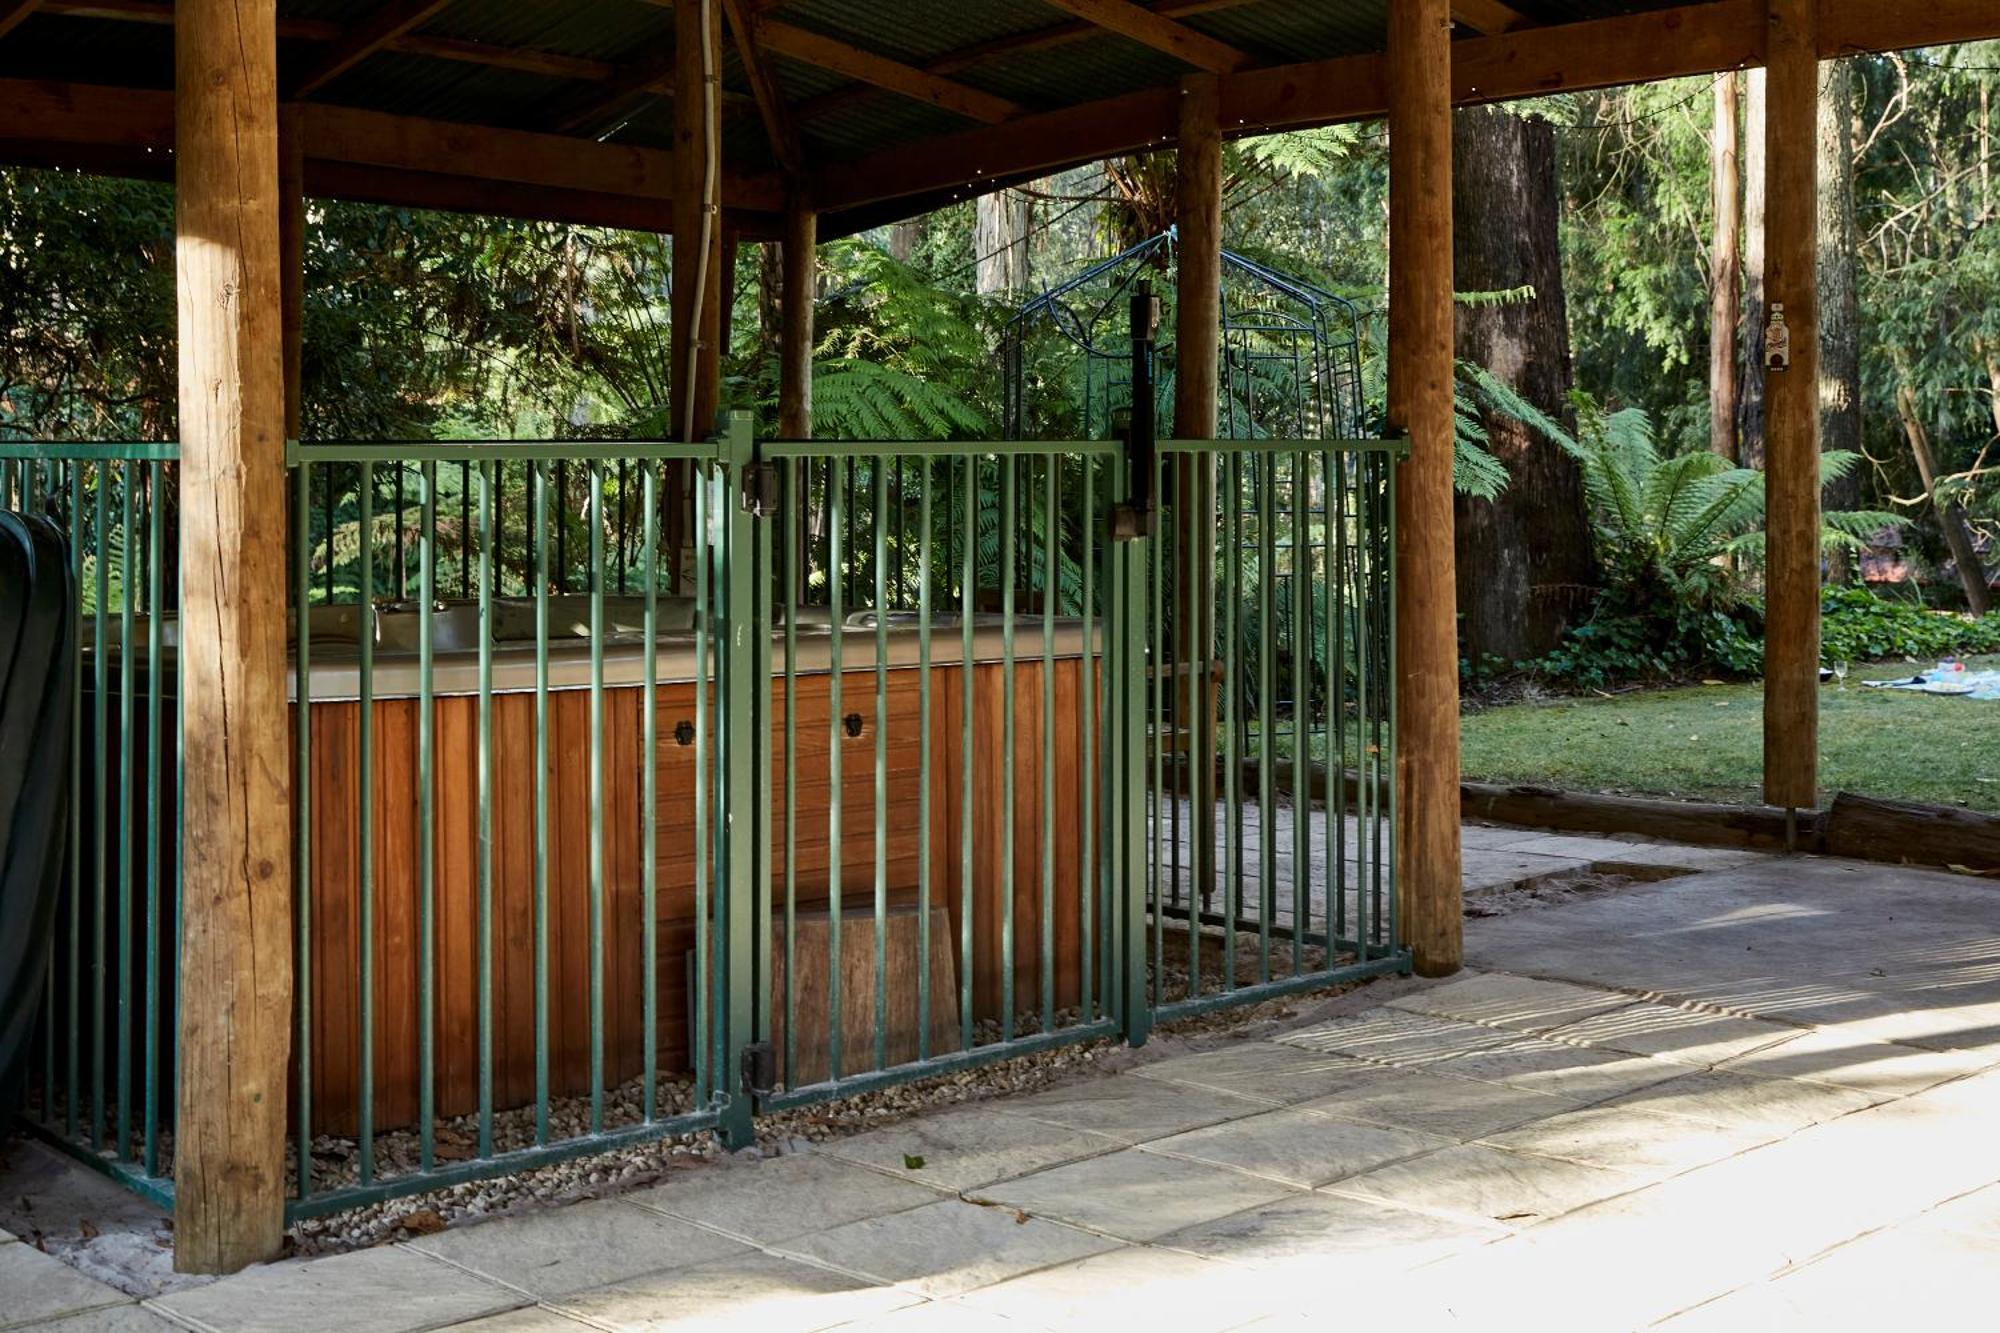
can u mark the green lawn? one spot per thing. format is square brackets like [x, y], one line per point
[1705, 741]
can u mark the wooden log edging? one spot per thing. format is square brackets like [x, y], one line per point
[1861, 828]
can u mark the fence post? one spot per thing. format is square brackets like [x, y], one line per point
[1125, 768]
[733, 542]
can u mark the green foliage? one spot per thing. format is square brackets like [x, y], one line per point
[1858, 626]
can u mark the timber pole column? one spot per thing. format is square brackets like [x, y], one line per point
[798, 285]
[1791, 410]
[1421, 369]
[1197, 331]
[236, 891]
[696, 345]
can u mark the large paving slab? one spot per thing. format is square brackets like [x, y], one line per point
[591, 1244]
[35, 1287]
[1134, 1195]
[962, 1150]
[392, 1289]
[775, 1201]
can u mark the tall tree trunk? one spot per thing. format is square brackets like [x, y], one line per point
[1839, 308]
[1725, 273]
[1951, 518]
[1750, 385]
[903, 237]
[1524, 559]
[769, 279]
[1000, 242]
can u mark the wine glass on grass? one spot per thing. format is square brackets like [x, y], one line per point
[1840, 672]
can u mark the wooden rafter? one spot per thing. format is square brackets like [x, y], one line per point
[1489, 17]
[364, 39]
[1013, 44]
[827, 53]
[1157, 30]
[764, 89]
[13, 13]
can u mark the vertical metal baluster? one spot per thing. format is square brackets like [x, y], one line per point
[76, 809]
[1188, 693]
[1161, 684]
[793, 582]
[1052, 526]
[596, 551]
[426, 835]
[708, 1078]
[100, 835]
[402, 576]
[1086, 712]
[1267, 704]
[155, 607]
[485, 799]
[968, 582]
[1366, 794]
[1009, 563]
[365, 813]
[880, 469]
[924, 762]
[1301, 550]
[543, 778]
[838, 532]
[302, 897]
[649, 768]
[1388, 757]
[1232, 720]
[128, 593]
[1336, 871]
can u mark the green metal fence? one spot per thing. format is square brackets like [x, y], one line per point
[103, 1078]
[642, 787]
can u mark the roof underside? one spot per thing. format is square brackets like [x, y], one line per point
[860, 81]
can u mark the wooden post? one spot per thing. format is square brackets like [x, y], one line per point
[799, 287]
[1197, 334]
[1791, 410]
[1725, 281]
[795, 320]
[292, 258]
[1421, 368]
[236, 890]
[696, 376]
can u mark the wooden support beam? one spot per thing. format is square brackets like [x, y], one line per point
[764, 89]
[652, 75]
[1421, 369]
[695, 379]
[1791, 411]
[13, 13]
[236, 894]
[1197, 358]
[292, 259]
[798, 288]
[697, 214]
[1489, 16]
[1151, 28]
[1198, 292]
[364, 39]
[813, 48]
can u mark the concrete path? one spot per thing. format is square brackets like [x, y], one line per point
[1762, 1097]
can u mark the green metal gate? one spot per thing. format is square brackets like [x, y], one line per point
[620, 818]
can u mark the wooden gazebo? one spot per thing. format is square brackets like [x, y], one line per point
[793, 119]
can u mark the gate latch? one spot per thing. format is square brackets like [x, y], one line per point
[760, 1068]
[760, 489]
[1135, 518]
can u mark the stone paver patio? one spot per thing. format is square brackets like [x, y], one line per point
[1763, 1096]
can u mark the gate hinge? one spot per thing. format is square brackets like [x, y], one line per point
[760, 489]
[760, 1068]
